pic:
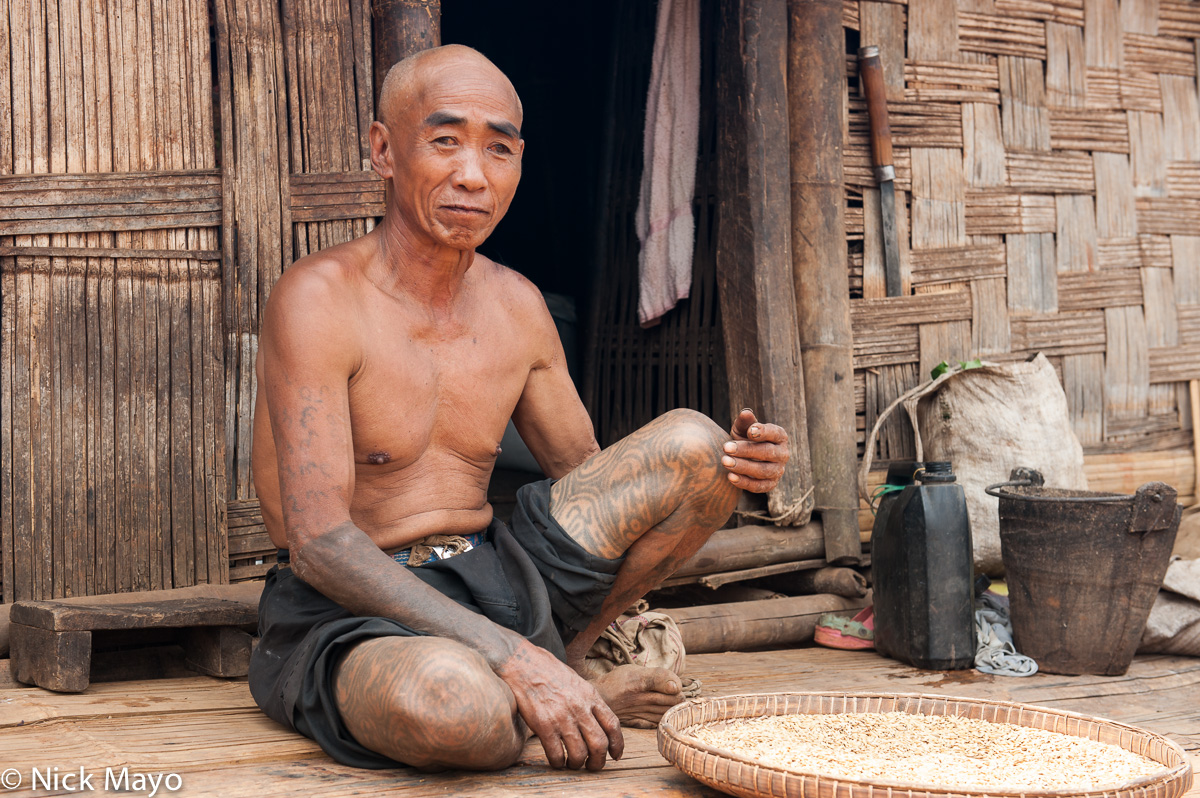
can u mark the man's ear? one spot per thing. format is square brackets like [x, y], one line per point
[381, 150]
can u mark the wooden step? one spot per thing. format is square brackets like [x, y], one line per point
[52, 641]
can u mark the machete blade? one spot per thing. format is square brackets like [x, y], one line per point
[891, 239]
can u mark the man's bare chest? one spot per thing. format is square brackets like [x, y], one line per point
[412, 398]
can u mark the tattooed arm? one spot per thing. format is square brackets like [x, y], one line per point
[309, 355]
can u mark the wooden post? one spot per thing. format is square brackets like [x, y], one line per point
[754, 279]
[401, 28]
[816, 78]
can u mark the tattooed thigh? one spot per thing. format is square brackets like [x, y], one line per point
[670, 466]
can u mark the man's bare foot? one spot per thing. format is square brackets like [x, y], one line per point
[639, 696]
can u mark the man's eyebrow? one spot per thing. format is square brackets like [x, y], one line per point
[505, 128]
[440, 118]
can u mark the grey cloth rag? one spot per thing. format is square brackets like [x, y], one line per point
[1174, 623]
[996, 653]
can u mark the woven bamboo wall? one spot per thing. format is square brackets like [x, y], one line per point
[1048, 174]
[111, 371]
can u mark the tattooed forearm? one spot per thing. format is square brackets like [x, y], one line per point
[345, 565]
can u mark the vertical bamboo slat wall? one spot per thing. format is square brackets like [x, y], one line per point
[254, 206]
[298, 77]
[334, 194]
[1048, 152]
[111, 362]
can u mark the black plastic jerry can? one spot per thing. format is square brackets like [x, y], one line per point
[922, 569]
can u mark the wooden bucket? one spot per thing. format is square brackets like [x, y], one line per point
[742, 776]
[1083, 569]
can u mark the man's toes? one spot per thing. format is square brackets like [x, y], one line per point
[661, 680]
[640, 723]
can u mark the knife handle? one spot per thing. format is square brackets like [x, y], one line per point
[870, 69]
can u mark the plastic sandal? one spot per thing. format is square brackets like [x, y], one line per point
[840, 631]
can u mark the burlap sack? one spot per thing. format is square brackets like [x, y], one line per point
[987, 421]
[650, 639]
[1174, 623]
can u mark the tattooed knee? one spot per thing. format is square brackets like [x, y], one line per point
[429, 702]
[696, 436]
[695, 423]
[469, 714]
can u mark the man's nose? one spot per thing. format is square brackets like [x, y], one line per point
[470, 174]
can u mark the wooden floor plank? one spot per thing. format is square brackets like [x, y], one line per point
[109, 699]
[209, 732]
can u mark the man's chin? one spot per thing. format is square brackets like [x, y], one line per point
[460, 237]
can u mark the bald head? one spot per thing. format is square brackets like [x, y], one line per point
[448, 143]
[409, 78]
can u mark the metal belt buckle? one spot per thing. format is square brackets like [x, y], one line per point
[444, 552]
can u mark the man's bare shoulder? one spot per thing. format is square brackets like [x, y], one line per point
[331, 275]
[521, 300]
[314, 306]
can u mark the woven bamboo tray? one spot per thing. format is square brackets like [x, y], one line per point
[738, 775]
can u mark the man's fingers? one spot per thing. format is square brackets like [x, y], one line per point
[597, 744]
[766, 452]
[577, 750]
[766, 433]
[753, 485]
[747, 428]
[612, 728]
[755, 469]
[743, 422]
[556, 752]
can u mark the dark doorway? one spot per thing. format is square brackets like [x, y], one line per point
[583, 71]
[558, 58]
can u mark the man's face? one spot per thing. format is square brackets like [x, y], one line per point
[455, 153]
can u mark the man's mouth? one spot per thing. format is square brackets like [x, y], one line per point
[465, 209]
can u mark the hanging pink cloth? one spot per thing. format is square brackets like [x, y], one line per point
[665, 225]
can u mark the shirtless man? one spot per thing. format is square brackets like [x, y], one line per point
[388, 369]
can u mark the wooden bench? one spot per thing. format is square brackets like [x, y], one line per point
[51, 641]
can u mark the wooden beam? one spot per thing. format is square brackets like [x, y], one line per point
[756, 624]
[754, 282]
[816, 89]
[746, 547]
[401, 29]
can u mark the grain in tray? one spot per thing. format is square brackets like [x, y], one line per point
[928, 749]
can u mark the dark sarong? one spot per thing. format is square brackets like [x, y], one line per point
[531, 577]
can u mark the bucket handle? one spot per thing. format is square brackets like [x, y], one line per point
[909, 399]
[1018, 478]
[1154, 506]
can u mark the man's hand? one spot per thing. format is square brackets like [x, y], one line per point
[566, 713]
[757, 454]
